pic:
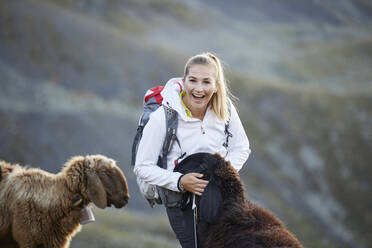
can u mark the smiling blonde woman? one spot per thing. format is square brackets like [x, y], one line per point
[201, 100]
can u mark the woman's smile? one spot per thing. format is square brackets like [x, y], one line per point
[198, 97]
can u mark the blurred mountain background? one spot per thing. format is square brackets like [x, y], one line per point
[73, 74]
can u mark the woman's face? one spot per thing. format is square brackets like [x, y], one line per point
[200, 85]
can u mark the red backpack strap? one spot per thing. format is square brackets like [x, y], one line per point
[179, 84]
[154, 92]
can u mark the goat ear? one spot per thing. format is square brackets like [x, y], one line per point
[210, 203]
[96, 191]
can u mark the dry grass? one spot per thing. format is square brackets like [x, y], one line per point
[123, 228]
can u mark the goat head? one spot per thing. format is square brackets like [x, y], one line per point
[106, 183]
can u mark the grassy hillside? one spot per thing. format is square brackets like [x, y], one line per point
[125, 229]
[305, 141]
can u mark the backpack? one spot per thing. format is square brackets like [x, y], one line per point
[151, 102]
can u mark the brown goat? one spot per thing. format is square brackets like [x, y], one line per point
[226, 217]
[40, 209]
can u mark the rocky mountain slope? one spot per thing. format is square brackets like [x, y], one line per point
[73, 73]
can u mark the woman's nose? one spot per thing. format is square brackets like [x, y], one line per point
[198, 87]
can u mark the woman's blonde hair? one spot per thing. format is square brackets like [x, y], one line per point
[219, 101]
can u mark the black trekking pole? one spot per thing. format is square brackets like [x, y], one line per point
[195, 210]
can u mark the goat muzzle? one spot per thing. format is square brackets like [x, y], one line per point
[118, 202]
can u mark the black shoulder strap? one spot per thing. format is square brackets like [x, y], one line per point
[171, 120]
[135, 143]
[227, 124]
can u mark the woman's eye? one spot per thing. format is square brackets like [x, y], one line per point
[207, 82]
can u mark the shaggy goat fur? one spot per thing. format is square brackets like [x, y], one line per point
[226, 217]
[40, 209]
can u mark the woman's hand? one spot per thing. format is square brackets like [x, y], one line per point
[193, 184]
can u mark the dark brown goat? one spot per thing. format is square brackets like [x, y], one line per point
[226, 217]
[40, 209]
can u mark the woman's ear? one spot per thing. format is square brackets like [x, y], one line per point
[211, 202]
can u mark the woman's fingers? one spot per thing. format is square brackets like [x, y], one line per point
[197, 193]
[192, 183]
[197, 180]
[195, 174]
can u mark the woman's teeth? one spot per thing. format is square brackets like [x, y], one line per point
[198, 96]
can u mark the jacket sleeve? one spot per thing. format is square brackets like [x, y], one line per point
[148, 152]
[238, 149]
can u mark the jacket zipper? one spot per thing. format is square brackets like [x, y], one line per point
[202, 128]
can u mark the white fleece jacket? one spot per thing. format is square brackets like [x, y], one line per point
[194, 136]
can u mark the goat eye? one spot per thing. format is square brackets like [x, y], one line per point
[76, 201]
